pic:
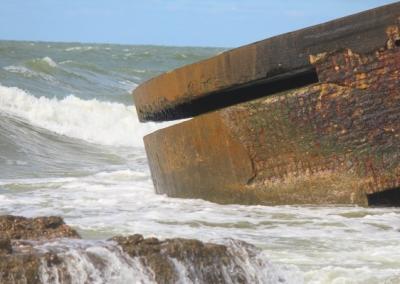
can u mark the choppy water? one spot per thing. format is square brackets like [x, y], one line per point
[71, 145]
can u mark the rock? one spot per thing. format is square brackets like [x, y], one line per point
[19, 269]
[208, 262]
[21, 264]
[25, 266]
[5, 246]
[16, 228]
[46, 259]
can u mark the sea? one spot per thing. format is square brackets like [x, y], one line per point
[71, 145]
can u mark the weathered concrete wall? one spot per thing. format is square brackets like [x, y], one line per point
[178, 93]
[332, 142]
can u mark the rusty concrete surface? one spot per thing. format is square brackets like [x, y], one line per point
[173, 94]
[336, 141]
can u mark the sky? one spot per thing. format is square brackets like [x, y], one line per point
[219, 23]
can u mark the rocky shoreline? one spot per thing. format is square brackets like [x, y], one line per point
[46, 250]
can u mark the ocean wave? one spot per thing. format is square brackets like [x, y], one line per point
[79, 48]
[85, 66]
[49, 61]
[128, 85]
[43, 65]
[19, 70]
[93, 121]
[26, 72]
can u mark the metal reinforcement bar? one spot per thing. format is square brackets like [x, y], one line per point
[309, 117]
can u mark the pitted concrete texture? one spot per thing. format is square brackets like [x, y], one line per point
[336, 141]
[179, 93]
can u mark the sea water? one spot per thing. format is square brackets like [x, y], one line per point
[71, 145]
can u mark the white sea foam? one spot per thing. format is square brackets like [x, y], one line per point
[310, 244]
[90, 120]
[20, 70]
[28, 72]
[78, 48]
[104, 262]
[49, 61]
[91, 262]
[66, 62]
[128, 83]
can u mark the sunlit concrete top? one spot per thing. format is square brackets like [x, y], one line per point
[208, 84]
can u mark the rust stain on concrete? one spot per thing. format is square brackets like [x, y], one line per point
[173, 94]
[309, 117]
[335, 141]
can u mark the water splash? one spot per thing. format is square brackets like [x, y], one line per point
[104, 262]
[93, 121]
[91, 262]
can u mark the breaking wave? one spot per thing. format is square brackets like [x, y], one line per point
[45, 65]
[94, 121]
[27, 72]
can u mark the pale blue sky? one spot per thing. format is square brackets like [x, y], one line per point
[226, 23]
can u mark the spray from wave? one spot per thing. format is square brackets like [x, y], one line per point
[105, 123]
[70, 96]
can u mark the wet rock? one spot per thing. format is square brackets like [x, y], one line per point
[16, 228]
[19, 261]
[25, 266]
[30, 252]
[5, 246]
[19, 269]
[174, 259]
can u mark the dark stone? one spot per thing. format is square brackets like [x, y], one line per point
[21, 264]
[15, 227]
[206, 260]
[5, 246]
[21, 261]
[19, 269]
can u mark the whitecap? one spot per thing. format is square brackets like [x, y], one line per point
[19, 70]
[94, 121]
[78, 48]
[128, 85]
[49, 61]
[24, 71]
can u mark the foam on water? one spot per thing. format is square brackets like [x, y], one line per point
[63, 133]
[49, 61]
[19, 69]
[79, 48]
[94, 121]
[24, 71]
[91, 262]
[312, 244]
[105, 262]
[45, 65]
